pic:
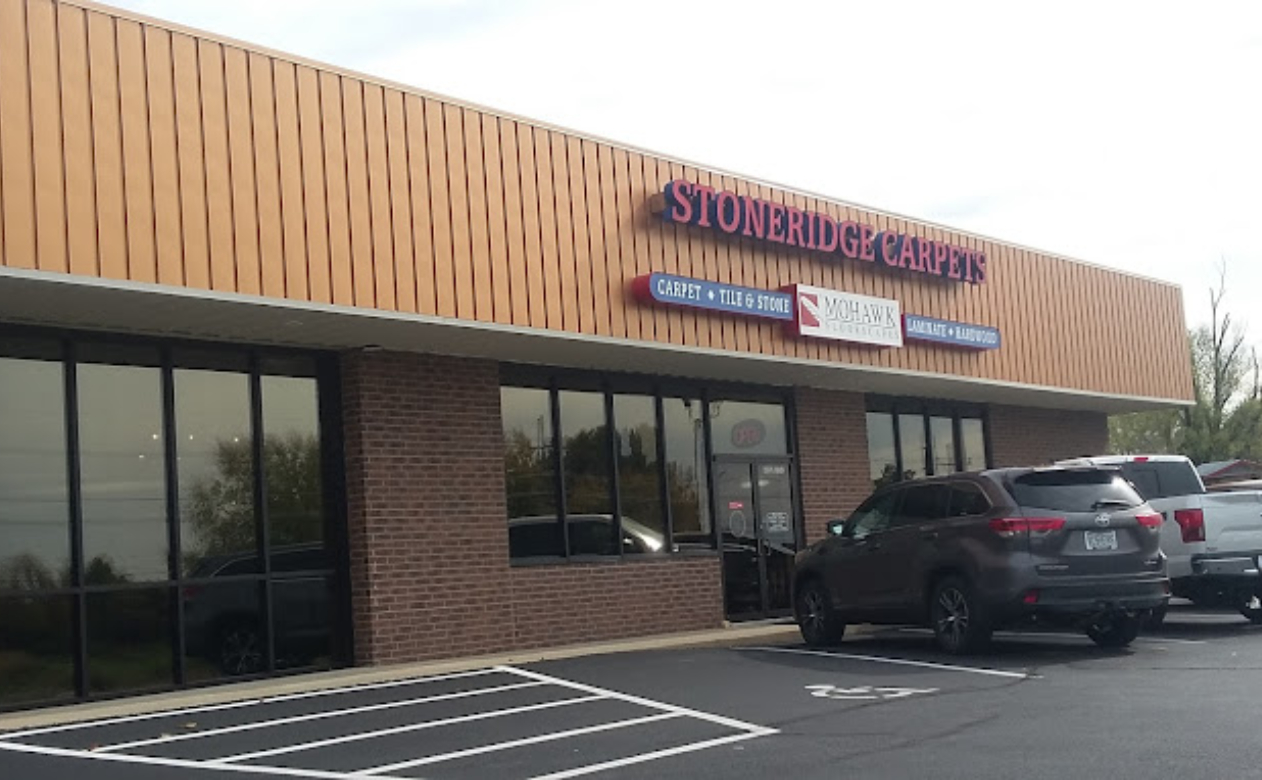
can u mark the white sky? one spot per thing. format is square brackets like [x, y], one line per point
[1123, 133]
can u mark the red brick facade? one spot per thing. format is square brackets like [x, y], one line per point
[832, 455]
[429, 565]
[1022, 436]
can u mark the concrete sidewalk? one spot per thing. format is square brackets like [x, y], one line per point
[759, 633]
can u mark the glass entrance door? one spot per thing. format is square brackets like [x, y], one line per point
[754, 500]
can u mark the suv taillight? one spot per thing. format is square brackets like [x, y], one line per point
[1191, 524]
[1149, 520]
[1009, 527]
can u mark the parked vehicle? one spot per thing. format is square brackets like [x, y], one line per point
[1213, 541]
[969, 553]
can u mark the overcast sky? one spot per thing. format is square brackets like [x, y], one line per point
[1125, 134]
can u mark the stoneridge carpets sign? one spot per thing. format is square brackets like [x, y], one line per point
[842, 316]
[689, 203]
[956, 334]
[714, 296]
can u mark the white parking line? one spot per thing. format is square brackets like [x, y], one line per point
[896, 661]
[176, 763]
[477, 751]
[239, 704]
[429, 724]
[316, 716]
[657, 705]
[652, 756]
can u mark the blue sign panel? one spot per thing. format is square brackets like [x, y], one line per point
[715, 296]
[957, 334]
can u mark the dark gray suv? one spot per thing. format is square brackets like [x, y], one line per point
[970, 553]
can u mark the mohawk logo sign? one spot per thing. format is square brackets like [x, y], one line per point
[841, 316]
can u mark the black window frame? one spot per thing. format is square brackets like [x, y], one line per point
[63, 346]
[557, 380]
[926, 409]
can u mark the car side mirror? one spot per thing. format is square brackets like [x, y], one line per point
[837, 528]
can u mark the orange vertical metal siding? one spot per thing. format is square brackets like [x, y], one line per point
[132, 150]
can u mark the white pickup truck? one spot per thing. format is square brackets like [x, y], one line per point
[1212, 541]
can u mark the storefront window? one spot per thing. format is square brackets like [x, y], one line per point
[34, 507]
[942, 444]
[36, 649]
[639, 476]
[686, 473]
[585, 463]
[882, 455]
[911, 436]
[291, 464]
[122, 465]
[973, 444]
[743, 428]
[530, 473]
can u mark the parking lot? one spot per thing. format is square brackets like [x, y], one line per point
[882, 704]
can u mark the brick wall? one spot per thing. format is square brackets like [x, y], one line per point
[1022, 436]
[832, 455]
[430, 573]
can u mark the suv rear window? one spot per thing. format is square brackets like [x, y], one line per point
[1073, 491]
[1162, 479]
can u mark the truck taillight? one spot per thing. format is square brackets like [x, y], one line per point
[1191, 524]
[1009, 527]
[1150, 520]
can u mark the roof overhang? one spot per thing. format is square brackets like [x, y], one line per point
[88, 303]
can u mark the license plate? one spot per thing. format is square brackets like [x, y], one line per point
[1101, 540]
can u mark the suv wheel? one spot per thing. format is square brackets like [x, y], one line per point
[957, 620]
[1252, 609]
[1114, 632]
[818, 621]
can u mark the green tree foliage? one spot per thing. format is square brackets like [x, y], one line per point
[1225, 422]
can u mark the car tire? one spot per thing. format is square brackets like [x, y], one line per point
[956, 617]
[819, 623]
[239, 649]
[1114, 633]
[1155, 619]
[1252, 609]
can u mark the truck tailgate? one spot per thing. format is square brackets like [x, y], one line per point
[1233, 522]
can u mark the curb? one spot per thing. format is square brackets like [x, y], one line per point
[729, 636]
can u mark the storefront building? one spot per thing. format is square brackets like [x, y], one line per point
[300, 369]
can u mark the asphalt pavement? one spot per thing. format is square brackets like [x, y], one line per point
[1181, 702]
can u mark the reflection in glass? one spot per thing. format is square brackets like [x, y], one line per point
[743, 428]
[292, 469]
[34, 507]
[942, 433]
[223, 634]
[882, 457]
[775, 518]
[686, 474]
[973, 441]
[529, 473]
[911, 434]
[122, 466]
[36, 649]
[585, 460]
[303, 606]
[639, 483]
[742, 578]
[216, 469]
[129, 640]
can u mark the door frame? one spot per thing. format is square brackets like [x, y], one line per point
[753, 462]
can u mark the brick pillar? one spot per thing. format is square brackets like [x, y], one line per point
[1021, 436]
[425, 506]
[832, 455]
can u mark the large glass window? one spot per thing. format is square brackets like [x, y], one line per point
[166, 436]
[34, 507]
[639, 478]
[628, 465]
[123, 474]
[530, 473]
[687, 478]
[932, 438]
